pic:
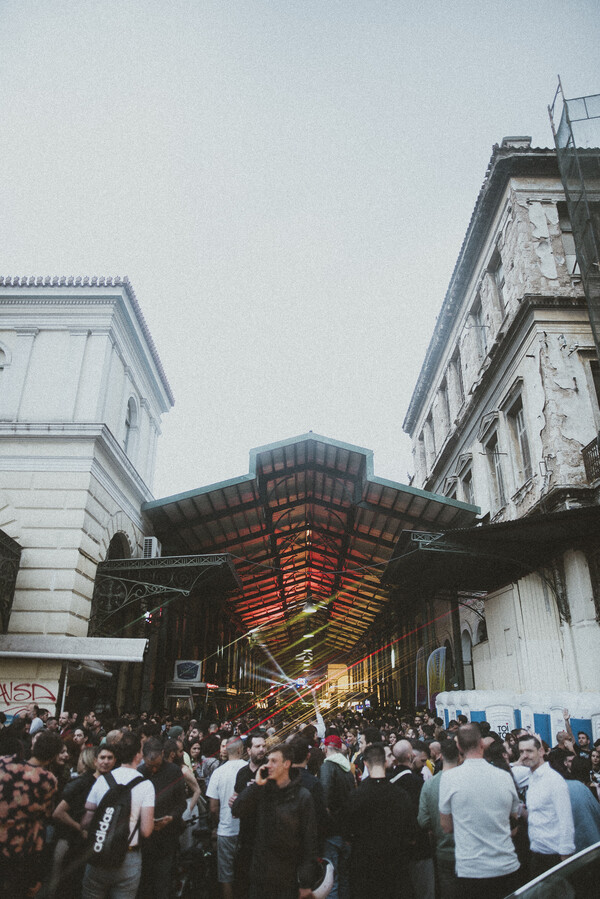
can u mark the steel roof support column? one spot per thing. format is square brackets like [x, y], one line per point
[457, 638]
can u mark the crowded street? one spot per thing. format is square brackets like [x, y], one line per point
[396, 806]
[300, 517]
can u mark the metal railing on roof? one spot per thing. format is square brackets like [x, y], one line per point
[577, 139]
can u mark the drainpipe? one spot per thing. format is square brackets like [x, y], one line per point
[459, 667]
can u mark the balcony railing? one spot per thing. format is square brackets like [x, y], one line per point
[591, 460]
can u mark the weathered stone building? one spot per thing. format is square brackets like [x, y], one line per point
[505, 415]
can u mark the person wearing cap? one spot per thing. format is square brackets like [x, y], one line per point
[338, 785]
[176, 733]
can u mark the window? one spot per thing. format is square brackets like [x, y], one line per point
[496, 478]
[131, 424]
[467, 653]
[480, 329]
[429, 437]
[520, 441]
[421, 460]
[450, 488]
[567, 238]
[456, 368]
[464, 474]
[595, 370]
[466, 482]
[496, 270]
[444, 408]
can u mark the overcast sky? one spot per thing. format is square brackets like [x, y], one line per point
[287, 184]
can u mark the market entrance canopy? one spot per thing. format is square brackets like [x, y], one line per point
[485, 558]
[309, 529]
[74, 649]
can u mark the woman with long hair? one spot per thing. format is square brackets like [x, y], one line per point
[75, 743]
[196, 758]
[61, 768]
[70, 836]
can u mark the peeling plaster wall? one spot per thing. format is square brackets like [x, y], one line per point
[525, 234]
[526, 643]
[568, 424]
[582, 636]
[538, 346]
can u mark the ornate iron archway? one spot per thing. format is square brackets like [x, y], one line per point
[133, 587]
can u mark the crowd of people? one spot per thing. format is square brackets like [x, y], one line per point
[396, 806]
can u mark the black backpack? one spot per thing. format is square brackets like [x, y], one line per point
[108, 836]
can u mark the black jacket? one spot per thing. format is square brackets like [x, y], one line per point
[285, 845]
[169, 787]
[338, 786]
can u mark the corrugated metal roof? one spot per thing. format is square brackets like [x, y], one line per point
[488, 557]
[310, 519]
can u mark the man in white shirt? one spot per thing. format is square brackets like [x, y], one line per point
[220, 789]
[476, 804]
[100, 883]
[549, 814]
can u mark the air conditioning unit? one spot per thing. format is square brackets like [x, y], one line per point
[151, 548]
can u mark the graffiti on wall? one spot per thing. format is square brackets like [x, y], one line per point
[15, 697]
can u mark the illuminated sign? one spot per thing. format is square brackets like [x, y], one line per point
[187, 671]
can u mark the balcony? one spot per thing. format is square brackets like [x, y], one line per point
[591, 460]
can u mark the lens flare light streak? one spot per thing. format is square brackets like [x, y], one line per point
[364, 658]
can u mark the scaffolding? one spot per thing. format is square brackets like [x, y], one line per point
[577, 140]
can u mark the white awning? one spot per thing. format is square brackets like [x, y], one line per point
[77, 649]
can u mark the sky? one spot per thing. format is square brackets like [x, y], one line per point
[287, 184]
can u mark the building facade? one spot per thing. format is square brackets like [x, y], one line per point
[84, 591]
[82, 393]
[505, 415]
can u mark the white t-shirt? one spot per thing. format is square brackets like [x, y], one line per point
[481, 800]
[222, 787]
[142, 796]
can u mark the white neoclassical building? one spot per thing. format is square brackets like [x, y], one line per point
[82, 394]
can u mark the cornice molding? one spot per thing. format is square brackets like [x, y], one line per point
[62, 281]
[97, 432]
[95, 281]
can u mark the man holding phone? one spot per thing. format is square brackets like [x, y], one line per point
[284, 861]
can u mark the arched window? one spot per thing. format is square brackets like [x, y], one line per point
[467, 653]
[5, 357]
[118, 548]
[451, 680]
[131, 426]
[481, 632]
